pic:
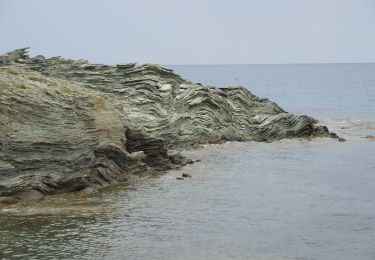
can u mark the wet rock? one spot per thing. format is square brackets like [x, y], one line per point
[186, 175]
[179, 178]
[335, 136]
[66, 125]
[189, 161]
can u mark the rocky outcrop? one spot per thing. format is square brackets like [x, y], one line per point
[66, 125]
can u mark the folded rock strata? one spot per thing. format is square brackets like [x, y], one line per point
[66, 125]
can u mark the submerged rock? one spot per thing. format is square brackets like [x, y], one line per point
[66, 125]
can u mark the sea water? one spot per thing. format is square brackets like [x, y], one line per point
[291, 199]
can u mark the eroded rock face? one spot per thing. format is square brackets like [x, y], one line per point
[66, 125]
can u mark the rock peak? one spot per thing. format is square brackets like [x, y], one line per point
[15, 55]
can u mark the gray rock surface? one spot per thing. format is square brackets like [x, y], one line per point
[66, 125]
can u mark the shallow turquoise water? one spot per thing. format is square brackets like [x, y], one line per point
[292, 199]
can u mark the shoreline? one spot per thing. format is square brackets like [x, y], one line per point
[80, 203]
[69, 125]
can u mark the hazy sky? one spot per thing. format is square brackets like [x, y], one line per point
[192, 31]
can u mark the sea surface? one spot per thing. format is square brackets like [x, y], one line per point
[292, 199]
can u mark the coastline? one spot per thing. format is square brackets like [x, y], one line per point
[70, 125]
[293, 198]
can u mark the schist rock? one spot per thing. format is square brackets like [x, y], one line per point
[66, 125]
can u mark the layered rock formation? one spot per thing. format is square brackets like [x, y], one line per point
[66, 125]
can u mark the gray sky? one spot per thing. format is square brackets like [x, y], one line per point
[192, 31]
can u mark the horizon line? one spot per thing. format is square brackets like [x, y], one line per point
[197, 64]
[241, 64]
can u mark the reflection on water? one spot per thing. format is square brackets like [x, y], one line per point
[290, 199]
